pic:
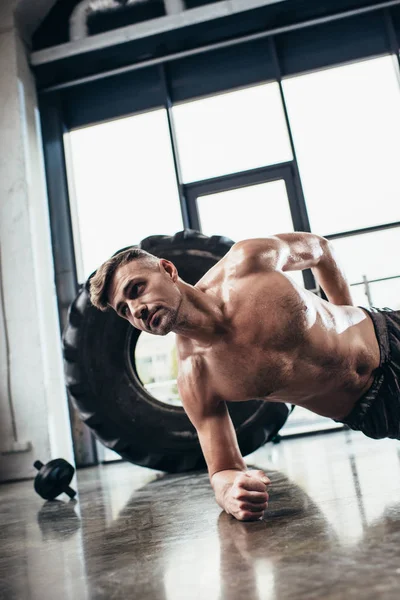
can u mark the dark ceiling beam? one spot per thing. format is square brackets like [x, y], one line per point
[29, 14]
[194, 16]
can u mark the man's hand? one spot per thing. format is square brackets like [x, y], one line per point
[242, 494]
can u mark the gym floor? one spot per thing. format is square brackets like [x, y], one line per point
[332, 531]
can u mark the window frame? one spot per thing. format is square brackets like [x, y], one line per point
[66, 104]
[233, 181]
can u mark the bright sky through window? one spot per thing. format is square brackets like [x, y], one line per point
[125, 187]
[346, 128]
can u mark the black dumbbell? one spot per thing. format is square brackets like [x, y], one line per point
[54, 478]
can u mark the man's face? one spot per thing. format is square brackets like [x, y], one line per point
[146, 296]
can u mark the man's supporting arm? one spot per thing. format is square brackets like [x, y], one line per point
[296, 252]
[239, 492]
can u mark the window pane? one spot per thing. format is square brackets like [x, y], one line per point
[372, 254]
[302, 420]
[157, 366]
[386, 293]
[231, 132]
[346, 128]
[375, 256]
[380, 294]
[125, 187]
[248, 212]
[359, 295]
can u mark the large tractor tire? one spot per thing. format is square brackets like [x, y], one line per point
[105, 387]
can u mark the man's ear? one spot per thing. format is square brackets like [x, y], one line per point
[170, 268]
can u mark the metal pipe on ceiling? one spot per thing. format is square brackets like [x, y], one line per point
[169, 23]
[218, 45]
[174, 7]
[78, 22]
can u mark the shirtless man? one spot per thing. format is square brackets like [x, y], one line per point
[246, 330]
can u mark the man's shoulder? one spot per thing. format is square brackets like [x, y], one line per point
[191, 364]
[194, 384]
[253, 254]
[238, 262]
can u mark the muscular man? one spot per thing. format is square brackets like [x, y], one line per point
[246, 331]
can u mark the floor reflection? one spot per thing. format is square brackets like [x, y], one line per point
[332, 530]
[268, 553]
[58, 520]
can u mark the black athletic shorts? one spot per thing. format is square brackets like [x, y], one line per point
[377, 412]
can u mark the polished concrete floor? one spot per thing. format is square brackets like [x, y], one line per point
[332, 530]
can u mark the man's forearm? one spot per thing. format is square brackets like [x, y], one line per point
[332, 279]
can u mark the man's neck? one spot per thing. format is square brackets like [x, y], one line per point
[200, 317]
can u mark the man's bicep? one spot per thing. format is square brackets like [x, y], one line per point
[281, 252]
[301, 250]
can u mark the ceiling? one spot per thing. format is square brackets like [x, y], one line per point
[30, 14]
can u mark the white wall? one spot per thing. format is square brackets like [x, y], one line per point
[34, 422]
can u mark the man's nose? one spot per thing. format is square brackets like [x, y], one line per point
[140, 312]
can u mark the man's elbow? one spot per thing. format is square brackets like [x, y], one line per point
[326, 250]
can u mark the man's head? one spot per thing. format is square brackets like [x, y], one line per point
[141, 288]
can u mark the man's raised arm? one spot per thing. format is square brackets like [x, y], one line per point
[240, 492]
[296, 252]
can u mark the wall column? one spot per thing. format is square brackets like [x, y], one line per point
[34, 421]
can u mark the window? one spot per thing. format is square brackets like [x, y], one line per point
[372, 256]
[346, 128]
[157, 366]
[248, 212]
[231, 132]
[123, 179]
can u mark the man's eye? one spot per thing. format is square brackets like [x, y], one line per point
[124, 310]
[137, 289]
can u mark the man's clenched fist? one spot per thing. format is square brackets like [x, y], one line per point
[245, 496]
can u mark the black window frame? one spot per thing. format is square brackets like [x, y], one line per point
[114, 94]
[77, 104]
[224, 183]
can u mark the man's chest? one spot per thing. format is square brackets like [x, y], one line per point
[264, 326]
[238, 371]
